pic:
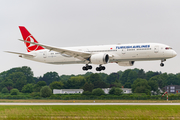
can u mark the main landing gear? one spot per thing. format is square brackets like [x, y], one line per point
[87, 67]
[100, 68]
[162, 64]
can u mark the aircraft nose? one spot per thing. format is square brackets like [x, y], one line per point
[174, 53]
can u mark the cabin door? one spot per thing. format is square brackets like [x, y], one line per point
[156, 49]
[45, 55]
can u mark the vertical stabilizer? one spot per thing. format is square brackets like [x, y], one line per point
[28, 37]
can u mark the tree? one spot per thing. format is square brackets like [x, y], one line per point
[100, 84]
[97, 81]
[28, 73]
[149, 75]
[87, 74]
[120, 73]
[135, 70]
[94, 77]
[113, 77]
[141, 74]
[172, 79]
[5, 90]
[56, 85]
[115, 84]
[14, 91]
[88, 87]
[161, 79]
[112, 90]
[75, 82]
[39, 85]
[87, 93]
[164, 78]
[115, 91]
[6, 83]
[118, 91]
[153, 84]
[160, 83]
[132, 76]
[127, 85]
[18, 79]
[45, 91]
[2, 86]
[25, 70]
[103, 76]
[124, 76]
[178, 78]
[37, 79]
[65, 77]
[141, 86]
[98, 92]
[27, 88]
[50, 77]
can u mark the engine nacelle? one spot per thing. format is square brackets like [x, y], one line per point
[99, 58]
[126, 63]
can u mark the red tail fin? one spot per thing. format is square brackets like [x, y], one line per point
[28, 37]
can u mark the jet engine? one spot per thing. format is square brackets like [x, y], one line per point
[99, 58]
[126, 63]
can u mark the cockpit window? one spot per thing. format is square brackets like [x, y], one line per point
[167, 48]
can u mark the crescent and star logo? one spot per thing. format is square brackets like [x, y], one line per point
[31, 47]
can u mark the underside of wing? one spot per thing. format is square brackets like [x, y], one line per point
[77, 54]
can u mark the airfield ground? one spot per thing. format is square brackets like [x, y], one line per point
[88, 101]
[88, 112]
[101, 112]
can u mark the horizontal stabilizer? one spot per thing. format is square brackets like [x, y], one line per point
[28, 55]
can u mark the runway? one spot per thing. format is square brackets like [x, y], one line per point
[89, 103]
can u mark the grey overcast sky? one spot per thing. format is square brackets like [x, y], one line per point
[64, 23]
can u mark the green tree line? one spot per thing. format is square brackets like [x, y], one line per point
[23, 80]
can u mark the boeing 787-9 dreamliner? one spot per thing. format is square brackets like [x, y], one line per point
[122, 54]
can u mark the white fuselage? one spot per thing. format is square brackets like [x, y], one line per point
[117, 53]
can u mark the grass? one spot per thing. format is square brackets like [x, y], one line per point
[88, 101]
[89, 112]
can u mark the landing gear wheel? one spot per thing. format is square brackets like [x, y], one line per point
[87, 67]
[98, 69]
[103, 68]
[84, 68]
[162, 64]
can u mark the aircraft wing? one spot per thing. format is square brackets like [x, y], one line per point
[77, 54]
[28, 55]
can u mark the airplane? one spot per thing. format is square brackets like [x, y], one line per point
[122, 54]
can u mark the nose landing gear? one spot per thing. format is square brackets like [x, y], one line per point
[162, 64]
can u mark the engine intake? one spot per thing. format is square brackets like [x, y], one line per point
[100, 58]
